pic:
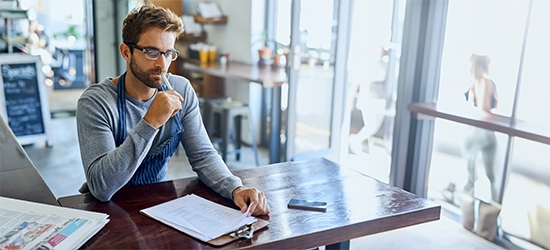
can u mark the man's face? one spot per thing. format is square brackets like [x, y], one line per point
[149, 71]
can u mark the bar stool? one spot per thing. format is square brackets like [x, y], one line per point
[229, 116]
[206, 111]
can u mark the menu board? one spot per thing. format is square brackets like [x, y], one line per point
[23, 96]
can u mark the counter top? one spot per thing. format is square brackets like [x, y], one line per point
[267, 76]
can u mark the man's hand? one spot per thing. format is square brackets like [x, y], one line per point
[242, 196]
[166, 104]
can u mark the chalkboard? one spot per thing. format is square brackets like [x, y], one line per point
[24, 98]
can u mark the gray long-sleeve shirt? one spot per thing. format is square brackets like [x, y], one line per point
[108, 167]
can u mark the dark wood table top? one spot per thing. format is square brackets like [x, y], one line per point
[357, 206]
[19, 179]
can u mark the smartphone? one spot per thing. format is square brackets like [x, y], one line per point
[320, 206]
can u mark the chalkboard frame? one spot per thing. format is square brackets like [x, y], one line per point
[13, 59]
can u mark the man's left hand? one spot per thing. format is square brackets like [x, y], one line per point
[243, 196]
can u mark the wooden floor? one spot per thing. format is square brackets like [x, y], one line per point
[62, 170]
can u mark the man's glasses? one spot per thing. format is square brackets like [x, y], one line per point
[154, 54]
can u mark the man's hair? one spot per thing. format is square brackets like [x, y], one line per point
[148, 16]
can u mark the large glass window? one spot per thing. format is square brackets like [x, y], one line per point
[60, 33]
[526, 204]
[534, 91]
[487, 28]
[494, 47]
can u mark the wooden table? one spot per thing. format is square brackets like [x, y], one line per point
[357, 206]
[19, 179]
[270, 78]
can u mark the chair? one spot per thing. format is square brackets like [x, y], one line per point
[224, 126]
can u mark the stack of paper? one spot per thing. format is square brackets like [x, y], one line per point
[198, 217]
[30, 225]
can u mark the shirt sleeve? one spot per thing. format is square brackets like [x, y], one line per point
[107, 167]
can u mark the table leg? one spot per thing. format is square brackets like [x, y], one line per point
[274, 137]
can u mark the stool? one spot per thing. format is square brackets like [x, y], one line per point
[229, 116]
[206, 110]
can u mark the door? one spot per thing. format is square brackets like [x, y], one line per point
[316, 65]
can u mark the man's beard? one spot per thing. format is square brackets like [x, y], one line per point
[145, 76]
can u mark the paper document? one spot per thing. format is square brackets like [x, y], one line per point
[199, 217]
[29, 225]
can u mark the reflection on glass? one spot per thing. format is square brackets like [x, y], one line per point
[465, 161]
[372, 72]
[485, 28]
[462, 156]
[316, 72]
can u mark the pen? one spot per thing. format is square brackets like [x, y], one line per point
[248, 209]
[166, 82]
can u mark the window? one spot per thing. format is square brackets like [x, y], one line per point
[510, 38]
[373, 64]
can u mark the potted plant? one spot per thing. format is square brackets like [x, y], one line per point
[265, 52]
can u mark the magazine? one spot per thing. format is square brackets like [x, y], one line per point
[30, 225]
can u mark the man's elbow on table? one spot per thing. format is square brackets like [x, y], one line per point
[102, 196]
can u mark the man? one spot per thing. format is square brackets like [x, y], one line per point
[129, 126]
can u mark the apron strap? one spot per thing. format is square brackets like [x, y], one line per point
[151, 168]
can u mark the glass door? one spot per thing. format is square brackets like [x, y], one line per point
[63, 31]
[317, 55]
[373, 67]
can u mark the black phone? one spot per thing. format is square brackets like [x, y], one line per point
[320, 206]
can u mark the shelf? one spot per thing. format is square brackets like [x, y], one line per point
[220, 20]
[9, 16]
[474, 117]
[13, 14]
[16, 39]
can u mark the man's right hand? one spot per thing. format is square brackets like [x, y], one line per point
[165, 105]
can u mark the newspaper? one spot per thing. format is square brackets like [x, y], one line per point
[38, 230]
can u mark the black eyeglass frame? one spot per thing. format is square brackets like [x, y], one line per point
[152, 57]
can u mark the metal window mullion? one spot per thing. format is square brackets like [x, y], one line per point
[513, 118]
[418, 82]
[431, 69]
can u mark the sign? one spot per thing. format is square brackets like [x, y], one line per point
[23, 98]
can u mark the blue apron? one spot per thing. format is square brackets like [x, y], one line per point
[152, 169]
